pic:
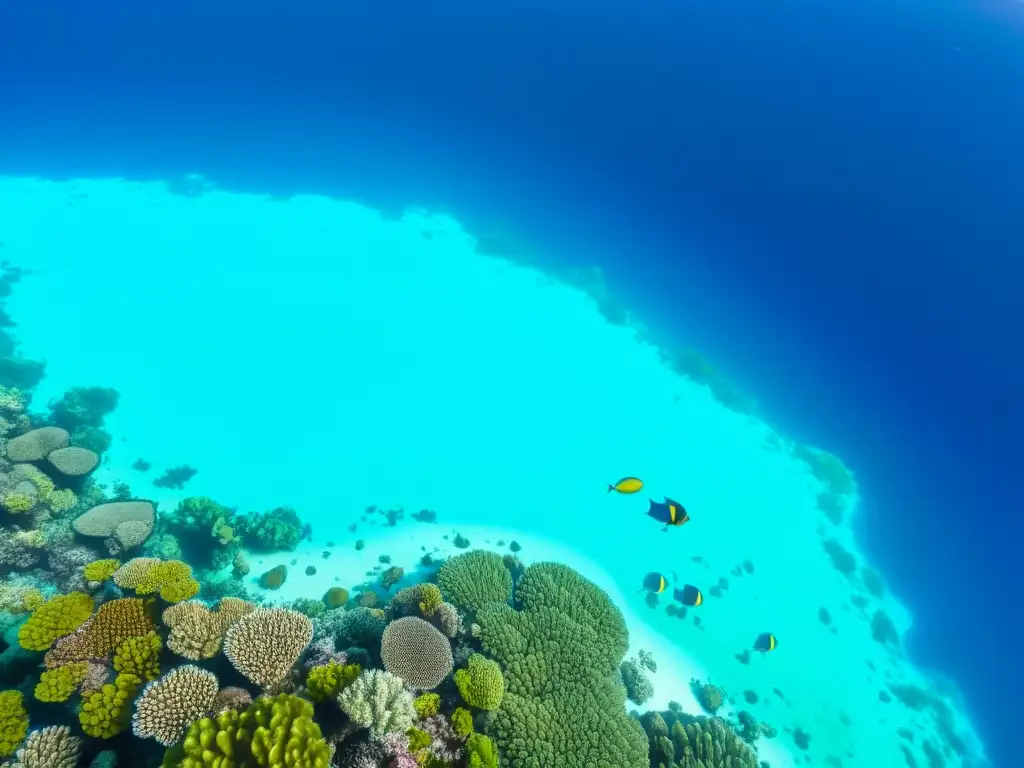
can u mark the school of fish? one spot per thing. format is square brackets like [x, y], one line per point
[671, 513]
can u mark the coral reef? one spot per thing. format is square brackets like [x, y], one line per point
[475, 579]
[51, 747]
[377, 700]
[168, 706]
[677, 740]
[266, 643]
[417, 652]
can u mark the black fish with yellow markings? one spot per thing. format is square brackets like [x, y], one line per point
[689, 595]
[765, 642]
[655, 582]
[668, 512]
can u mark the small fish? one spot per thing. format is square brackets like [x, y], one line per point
[627, 485]
[655, 582]
[668, 512]
[689, 595]
[765, 642]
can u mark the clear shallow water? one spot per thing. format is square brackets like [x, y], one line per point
[312, 353]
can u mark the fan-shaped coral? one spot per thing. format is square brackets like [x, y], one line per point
[52, 747]
[265, 644]
[168, 706]
[197, 632]
[416, 652]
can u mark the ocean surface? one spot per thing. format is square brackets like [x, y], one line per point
[822, 198]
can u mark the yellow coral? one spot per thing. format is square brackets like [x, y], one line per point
[58, 684]
[100, 570]
[328, 680]
[105, 713]
[31, 600]
[58, 616]
[18, 503]
[114, 622]
[146, 575]
[13, 721]
[43, 484]
[140, 656]
[430, 599]
[62, 500]
[427, 705]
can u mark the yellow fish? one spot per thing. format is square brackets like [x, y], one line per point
[627, 485]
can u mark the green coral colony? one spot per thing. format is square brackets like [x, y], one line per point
[132, 634]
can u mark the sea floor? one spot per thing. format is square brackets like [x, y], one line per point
[309, 353]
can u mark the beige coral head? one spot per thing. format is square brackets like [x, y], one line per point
[167, 706]
[265, 644]
[52, 747]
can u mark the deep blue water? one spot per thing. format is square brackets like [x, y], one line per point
[825, 197]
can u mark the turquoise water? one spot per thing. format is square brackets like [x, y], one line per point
[312, 353]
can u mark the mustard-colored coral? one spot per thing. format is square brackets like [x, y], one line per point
[106, 713]
[427, 705]
[58, 616]
[32, 539]
[18, 503]
[44, 485]
[100, 570]
[113, 623]
[13, 721]
[140, 656]
[62, 500]
[58, 684]
[327, 680]
[271, 733]
[171, 579]
[31, 600]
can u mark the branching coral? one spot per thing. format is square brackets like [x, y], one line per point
[474, 579]
[168, 706]
[638, 685]
[58, 616]
[265, 644]
[377, 700]
[416, 652]
[481, 683]
[52, 747]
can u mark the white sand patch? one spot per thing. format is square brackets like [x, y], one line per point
[309, 353]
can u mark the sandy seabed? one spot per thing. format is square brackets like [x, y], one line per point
[310, 353]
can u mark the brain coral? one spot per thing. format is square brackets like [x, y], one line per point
[73, 462]
[197, 632]
[168, 706]
[565, 704]
[379, 701]
[265, 644]
[113, 623]
[52, 747]
[55, 618]
[474, 579]
[102, 520]
[35, 445]
[416, 652]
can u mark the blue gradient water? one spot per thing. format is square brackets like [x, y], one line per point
[840, 180]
